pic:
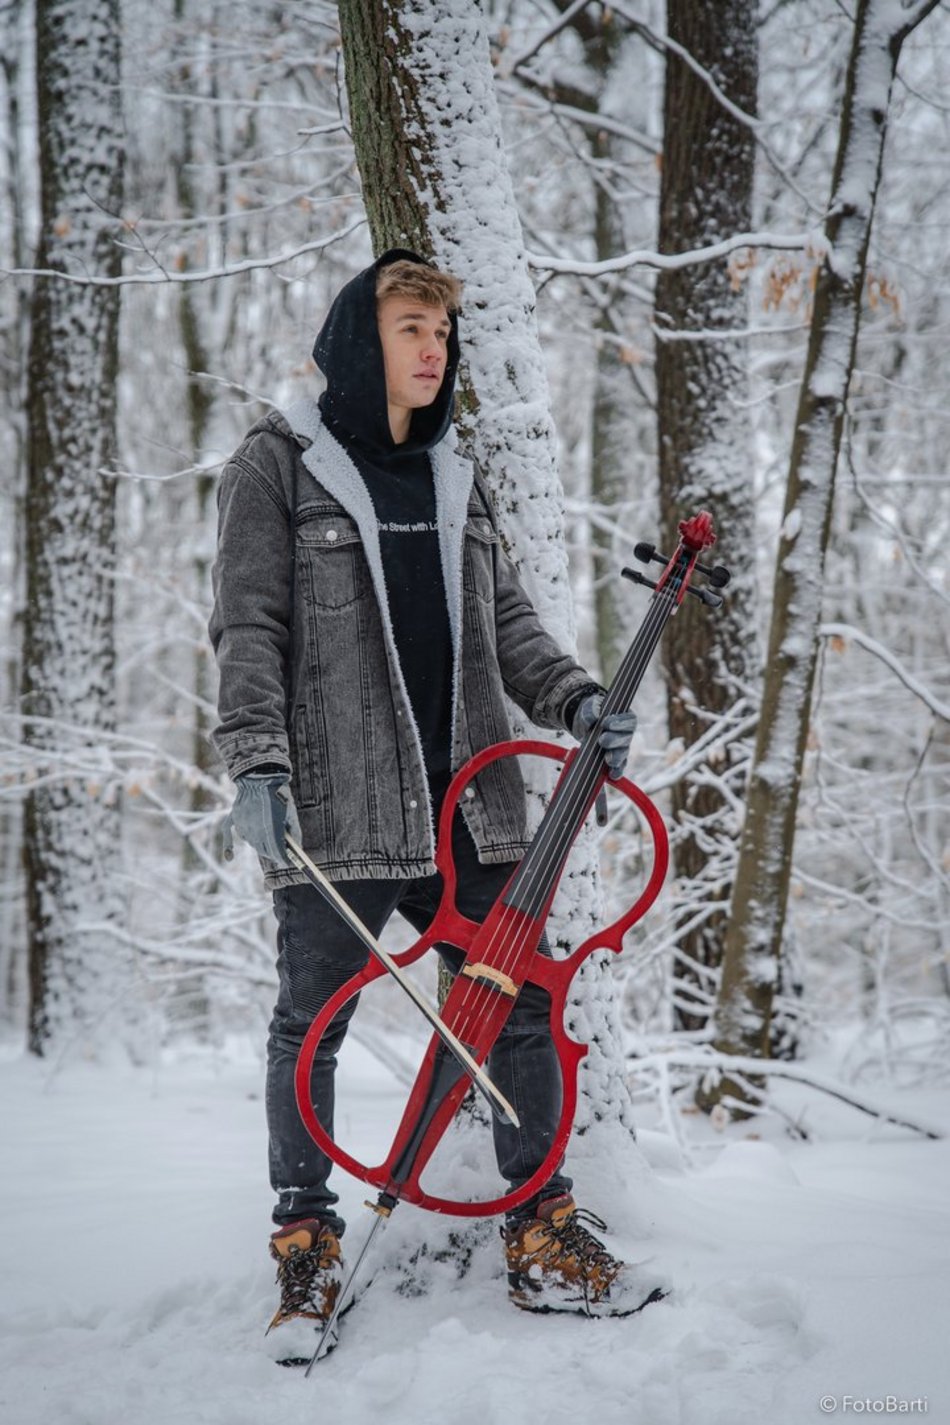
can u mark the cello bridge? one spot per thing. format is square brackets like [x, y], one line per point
[494, 979]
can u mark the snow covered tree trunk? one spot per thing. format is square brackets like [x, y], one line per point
[705, 449]
[761, 891]
[16, 162]
[611, 456]
[72, 821]
[199, 403]
[618, 457]
[610, 424]
[428, 138]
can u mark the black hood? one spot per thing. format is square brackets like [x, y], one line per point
[350, 355]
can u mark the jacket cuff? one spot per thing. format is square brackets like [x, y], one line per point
[569, 708]
[549, 711]
[245, 751]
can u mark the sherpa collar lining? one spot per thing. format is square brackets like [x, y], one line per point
[331, 467]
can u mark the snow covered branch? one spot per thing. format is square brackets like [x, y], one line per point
[786, 242]
[846, 630]
[717, 1064]
[164, 276]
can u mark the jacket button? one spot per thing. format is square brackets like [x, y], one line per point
[469, 792]
[331, 535]
[413, 803]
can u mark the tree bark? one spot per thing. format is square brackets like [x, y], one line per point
[762, 880]
[615, 450]
[199, 404]
[15, 23]
[705, 457]
[72, 822]
[428, 139]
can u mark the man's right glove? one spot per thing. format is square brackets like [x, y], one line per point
[616, 733]
[262, 815]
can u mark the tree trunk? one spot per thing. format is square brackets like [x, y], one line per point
[428, 140]
[615, 449]
[15, 22]
[761, 892]
[705, 457]
[72, 820]
[613, 455]
[613, 443]
[199, 404]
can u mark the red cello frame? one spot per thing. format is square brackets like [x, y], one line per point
[555, 976]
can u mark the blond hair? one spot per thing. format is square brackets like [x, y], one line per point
[420, 281]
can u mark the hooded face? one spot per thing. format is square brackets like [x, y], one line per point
[349, 352]
[414, 337]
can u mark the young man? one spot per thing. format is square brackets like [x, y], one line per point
[368, 626]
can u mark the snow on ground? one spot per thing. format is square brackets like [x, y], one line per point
[135, 1285]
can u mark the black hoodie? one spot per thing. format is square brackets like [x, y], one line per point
[399, 480]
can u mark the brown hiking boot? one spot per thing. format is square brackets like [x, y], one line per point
[556, 1264]
[309, 1273]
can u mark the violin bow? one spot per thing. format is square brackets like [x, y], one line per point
[492, 1095]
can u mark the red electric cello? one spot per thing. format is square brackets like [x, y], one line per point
[501, 953]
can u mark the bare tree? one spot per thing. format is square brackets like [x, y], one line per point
[760, 899]
[705, 450]
[72, 823]
[580, 95]
[15, 166]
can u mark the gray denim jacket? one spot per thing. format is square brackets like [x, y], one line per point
[342, 723]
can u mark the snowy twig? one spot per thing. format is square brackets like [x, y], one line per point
[668, 261]
[838, 892]
[740, 1064]
[729, 728]
[252, 264]
[846, 630]
[664, 43]
[586, 118]
[911, 17]
[566, 17]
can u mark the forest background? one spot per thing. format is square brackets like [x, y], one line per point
[682, 208]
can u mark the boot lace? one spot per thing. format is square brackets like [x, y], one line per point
[574, 1236]
[296, 1276]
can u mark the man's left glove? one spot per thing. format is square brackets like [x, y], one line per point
[616, 732]
[262, 815]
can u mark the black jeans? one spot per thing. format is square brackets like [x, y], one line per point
[317, 954]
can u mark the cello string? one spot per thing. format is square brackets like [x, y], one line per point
[580, 784]
[569, 805]
[586, 769]
[587, 764]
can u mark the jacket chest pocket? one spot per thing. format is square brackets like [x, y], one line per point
[479, 561]
[331, 561]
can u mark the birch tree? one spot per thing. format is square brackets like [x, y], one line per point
[705, 454]
[760, 899]
[428, 140]
[72, 823]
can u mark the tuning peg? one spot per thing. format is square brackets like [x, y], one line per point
[718, 576]
[636, 577]
[705, 596]
[647, 552]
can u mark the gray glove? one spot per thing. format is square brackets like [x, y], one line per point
[262, 814]
[615, 736]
